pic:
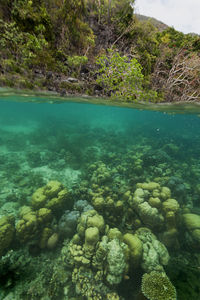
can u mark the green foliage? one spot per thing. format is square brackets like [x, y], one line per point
[73, 34]
[121, 77]
[196, 43]
[75, 62]
[57, 35]
[111, 11]
[32, 18]
[175, 39]
[144, 45]
[23, 47]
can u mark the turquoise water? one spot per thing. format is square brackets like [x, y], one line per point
[137, 173]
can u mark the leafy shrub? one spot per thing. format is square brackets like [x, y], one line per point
[23, 48]
[121, 77]
[75, 62]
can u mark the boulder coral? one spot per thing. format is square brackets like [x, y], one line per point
[101, 173]
[150, 215]
[98, 256]
[155, 209]
[7, 231]
[170, 208]
[32, 222]
[27, 225]
[116, 259]
[155, 254]
[135, 248]
[192, 224]
[90, 219]
[51, 196]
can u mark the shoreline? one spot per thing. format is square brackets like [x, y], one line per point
[22, 95]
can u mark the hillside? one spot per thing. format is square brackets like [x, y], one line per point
[81, 47]
[158, 24]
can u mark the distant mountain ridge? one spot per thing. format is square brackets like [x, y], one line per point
[158, 24]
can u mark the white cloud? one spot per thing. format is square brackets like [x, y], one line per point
[183, 15]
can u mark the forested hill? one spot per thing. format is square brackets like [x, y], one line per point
[96, 47]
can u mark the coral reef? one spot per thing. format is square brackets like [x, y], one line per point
[152, 203]
[31, 222]
[156, 210]
[157, 286]
[192, 224]
[140, 212]
[51, 196]
[7, 231]
[155, 254]
[135, 247]
[99, 261]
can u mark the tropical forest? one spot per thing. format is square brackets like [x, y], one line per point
[96, 48]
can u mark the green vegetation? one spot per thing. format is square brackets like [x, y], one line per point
[43, 42]
[122, 77]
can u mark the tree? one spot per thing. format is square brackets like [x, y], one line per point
[108, 11]
[183, 82]
[180, 78]
[122, 78]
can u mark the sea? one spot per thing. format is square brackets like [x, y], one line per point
[98, 200]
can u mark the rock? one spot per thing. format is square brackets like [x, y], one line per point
[49, 75]
[72, 79]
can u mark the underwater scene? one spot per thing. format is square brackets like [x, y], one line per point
[98, 202]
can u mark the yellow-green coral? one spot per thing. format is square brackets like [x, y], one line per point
[192, 224]
[150, 186]
[98, 203]
[26, 227]
[114, 233]
[52, 188]
[44, 215]
[149, 215]
[7, 230]
[32, 222]
[155, 208]
[191, 221]
[91, 239]
[101, 173]
[157, 286]
[170, 205]
[51, 196]
[90, 219]
[38, 198]
[165, 193]
[46, 233]
[112, 296]
[96, 221]
[99, 261]
[155, 202]
[52, 241]
[135, 247]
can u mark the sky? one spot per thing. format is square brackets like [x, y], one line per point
[183, 15]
